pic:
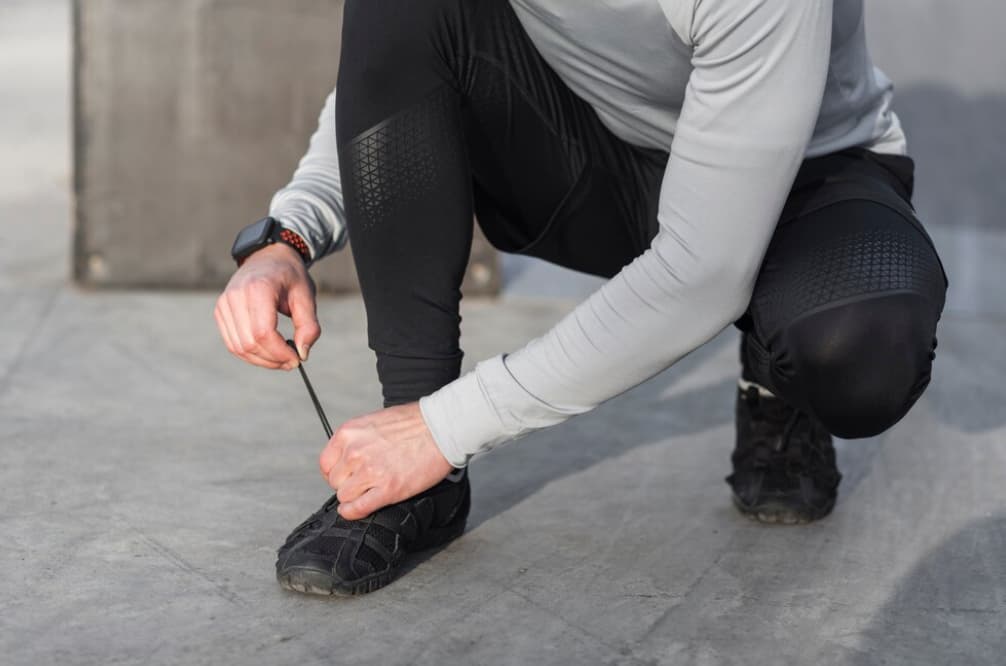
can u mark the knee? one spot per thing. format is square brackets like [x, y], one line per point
[860, 367]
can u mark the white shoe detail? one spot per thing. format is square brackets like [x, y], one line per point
[762, 391]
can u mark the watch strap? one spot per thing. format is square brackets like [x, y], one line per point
[296, 241]
[278, 234]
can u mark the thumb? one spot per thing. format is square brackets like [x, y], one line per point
[306, 329]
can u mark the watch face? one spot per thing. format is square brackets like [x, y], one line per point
[252, 237]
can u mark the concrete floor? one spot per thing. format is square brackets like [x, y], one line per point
[146, 479]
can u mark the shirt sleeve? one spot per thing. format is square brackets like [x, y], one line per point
[759, 70]
[312, 204]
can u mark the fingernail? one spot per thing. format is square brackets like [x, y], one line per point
[303, 351]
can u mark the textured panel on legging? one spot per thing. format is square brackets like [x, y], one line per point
[395, 163]
[811, 267]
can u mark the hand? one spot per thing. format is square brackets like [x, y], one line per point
[272, 280]
[380, 459]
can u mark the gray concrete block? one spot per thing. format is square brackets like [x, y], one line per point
[188, 116]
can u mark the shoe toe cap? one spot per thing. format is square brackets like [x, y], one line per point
[341, 560]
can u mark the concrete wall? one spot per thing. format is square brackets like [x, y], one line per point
[189, 114]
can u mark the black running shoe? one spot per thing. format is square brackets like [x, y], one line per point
[784, 463]
[329, 555]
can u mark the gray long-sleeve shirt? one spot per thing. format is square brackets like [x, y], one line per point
[739, 92]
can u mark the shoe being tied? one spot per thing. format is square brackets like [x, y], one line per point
[331, 556]
[784, 468]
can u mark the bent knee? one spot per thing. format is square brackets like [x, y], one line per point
[861, 366]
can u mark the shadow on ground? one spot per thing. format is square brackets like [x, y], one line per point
[948, 609]
[504, 479]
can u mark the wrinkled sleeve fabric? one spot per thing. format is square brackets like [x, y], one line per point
[759, 71]
[311, 204]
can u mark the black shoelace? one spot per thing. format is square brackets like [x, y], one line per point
[310, 392]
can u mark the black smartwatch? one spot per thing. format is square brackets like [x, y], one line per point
[263, 233]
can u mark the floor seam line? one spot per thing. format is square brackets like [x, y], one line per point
[23, 348]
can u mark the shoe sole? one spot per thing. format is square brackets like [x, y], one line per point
[319, 583]
[777, 513]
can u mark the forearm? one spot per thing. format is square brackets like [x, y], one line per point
[312, 203]
[635, 326]
[749, 113]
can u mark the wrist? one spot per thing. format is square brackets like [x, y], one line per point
[275, 252]
[267, 233]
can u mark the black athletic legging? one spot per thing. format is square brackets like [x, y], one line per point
[446, 109]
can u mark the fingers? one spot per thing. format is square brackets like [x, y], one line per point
[343, 464]
[249, 314]
[256, 320]
[330, 455]
[338, 475]
[364, 505]
[335, 465]
[381, 458]
[244, 339]
[303, 312]
[229, 332]
[355, 486]
[226, 328]
[272, 280]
